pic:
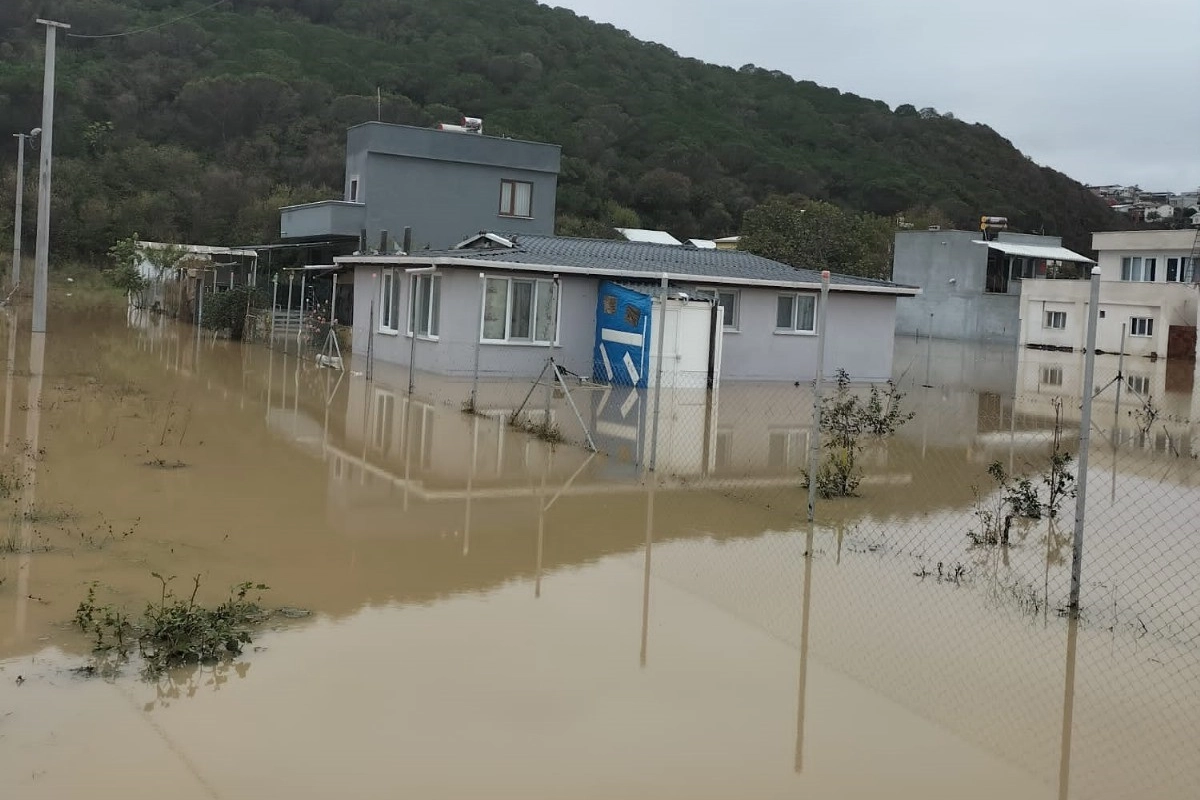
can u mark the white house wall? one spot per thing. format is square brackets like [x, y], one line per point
[1167, 304]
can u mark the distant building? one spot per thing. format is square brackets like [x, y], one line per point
[971, 287]
[443, 184]
[1147, 288]
[728, 242]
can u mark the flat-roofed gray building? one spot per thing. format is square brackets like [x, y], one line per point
[444, 185]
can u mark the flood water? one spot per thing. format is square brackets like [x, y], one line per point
[497, 617]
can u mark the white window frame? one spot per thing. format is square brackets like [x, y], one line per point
[354, 190]
[511, 210]
[793, 330]
[1184, 269]
[1144, 324]
[1139, 269]
[389, 301]
[539, 284]
[431, 325]
[795, 447]
[714, 293]
[1139, 384]
[1051, 376]
[1052, 317]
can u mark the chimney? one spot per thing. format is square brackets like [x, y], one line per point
[383, 242]
[407, 240]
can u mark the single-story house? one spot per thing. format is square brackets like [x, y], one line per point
[520, 298]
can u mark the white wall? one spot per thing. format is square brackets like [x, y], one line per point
[1166, 304]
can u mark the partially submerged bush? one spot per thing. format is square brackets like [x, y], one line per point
[175, 631]
[845, 419]
[226, 311]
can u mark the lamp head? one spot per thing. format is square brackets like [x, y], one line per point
[35, 133]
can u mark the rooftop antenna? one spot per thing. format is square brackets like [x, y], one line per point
[378, 104]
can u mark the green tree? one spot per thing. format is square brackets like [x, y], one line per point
[817, 235]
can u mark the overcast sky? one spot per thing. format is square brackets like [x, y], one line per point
[1108, 91]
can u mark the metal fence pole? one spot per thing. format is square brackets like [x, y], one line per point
[478, 340]
[274, 305]
[300, 327]
[1085, 435]
[662, 338]
[291, 279]
[814, 439]
[15, 275]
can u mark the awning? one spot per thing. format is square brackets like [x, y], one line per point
[1039, 251]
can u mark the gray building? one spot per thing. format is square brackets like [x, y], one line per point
[971, 287]
[520, 298]
[443, 185]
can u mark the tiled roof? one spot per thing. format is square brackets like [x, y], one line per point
[632, 258]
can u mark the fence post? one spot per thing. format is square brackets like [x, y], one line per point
[274, 305]
[300, 327]
[814, 439]
[478, 338]
[662, 338]
[291, 279]
[1085, 435]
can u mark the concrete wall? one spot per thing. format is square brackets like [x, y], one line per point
[1166, 304]
[951, 272]
[445, 186]
[326, 218]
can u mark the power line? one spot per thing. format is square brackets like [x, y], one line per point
[145, 30]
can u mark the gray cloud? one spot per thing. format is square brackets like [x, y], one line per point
[1107, 91]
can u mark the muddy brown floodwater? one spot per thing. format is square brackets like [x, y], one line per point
[495, 617]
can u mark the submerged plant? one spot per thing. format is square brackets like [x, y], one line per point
[845, 419]
[174, 631]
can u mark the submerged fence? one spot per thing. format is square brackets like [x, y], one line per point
[955, 563]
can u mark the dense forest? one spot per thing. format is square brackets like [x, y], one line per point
[200, 129]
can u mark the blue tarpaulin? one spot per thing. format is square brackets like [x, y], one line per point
[622, 336]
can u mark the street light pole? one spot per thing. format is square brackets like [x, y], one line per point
[41, 267]
[15, 275]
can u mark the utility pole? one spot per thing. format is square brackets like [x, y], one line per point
[15, 275]
[41, 267]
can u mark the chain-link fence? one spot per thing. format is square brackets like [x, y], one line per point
[944, 541]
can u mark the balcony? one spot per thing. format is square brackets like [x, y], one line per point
[326, 219]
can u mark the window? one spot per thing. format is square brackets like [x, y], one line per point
[727, 299]
[1056, 319]
[1141, 326]
[520, 310]
[424, 303]
[516, 199]
[796, 313]
[389, 301]
[353, 198]
[1136, 268]
[1180, 269]
[787, 449]
[1139, 384]
[385, 416]
[1052, 376]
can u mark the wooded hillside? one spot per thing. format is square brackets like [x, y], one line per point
[199, 130]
